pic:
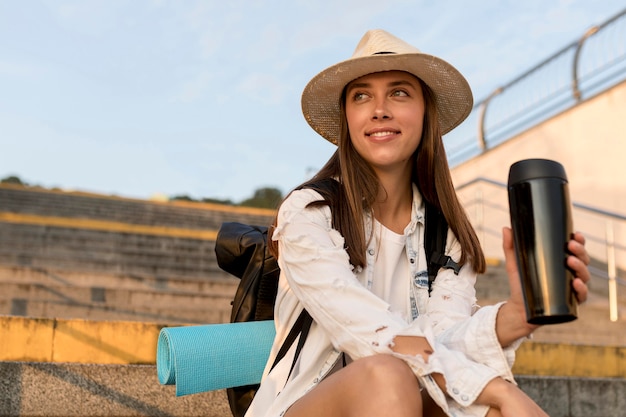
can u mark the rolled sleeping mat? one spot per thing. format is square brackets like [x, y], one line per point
[213, 356]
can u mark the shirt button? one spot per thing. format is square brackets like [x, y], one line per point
[370, 251]
[465, 398]
[412, 260]
[455, 391]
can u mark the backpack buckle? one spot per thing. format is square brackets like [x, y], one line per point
[450, 264]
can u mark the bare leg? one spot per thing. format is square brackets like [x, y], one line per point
[493, 412]
[379, 385]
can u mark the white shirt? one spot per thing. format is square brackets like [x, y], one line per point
[391, 269]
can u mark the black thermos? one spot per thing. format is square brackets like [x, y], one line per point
[541, 219]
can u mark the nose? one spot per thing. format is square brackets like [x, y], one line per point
[381, 110]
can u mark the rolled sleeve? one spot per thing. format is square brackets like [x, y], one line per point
[460, 325]
[465, 377]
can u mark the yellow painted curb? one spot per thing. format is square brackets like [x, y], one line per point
[121, 342]
[493, 261]
[26, 339]
[77, 341]
[107, 226]
[549, 359]
[82, 341]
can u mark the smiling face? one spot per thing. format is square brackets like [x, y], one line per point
[385, 115]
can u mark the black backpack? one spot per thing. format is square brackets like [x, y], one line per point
[241, 251]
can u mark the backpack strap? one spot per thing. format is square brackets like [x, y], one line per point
[326, 187]
[435, 236]
[300, 327]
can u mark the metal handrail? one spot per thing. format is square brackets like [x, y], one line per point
[609, 242]
[613, 215]
[554, 85]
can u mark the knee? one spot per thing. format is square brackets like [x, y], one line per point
[388, 372]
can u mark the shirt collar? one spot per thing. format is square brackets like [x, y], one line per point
[417, 211]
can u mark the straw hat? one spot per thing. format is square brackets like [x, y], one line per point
[381, 51]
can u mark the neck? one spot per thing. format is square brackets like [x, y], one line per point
[394, 203]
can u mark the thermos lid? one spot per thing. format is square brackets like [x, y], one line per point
[529, 169]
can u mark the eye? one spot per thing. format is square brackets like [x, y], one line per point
[359, 96]
[399, 93]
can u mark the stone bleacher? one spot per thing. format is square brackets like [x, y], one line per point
[75, 255]
[113, 268]
[192, 215]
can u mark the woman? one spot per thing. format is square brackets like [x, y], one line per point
[381, 343]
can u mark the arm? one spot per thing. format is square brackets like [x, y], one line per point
[498, 393]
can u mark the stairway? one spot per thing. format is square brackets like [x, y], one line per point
[168, 275]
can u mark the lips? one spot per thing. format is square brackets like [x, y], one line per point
[381, 133]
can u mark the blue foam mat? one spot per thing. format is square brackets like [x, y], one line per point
[213, 356]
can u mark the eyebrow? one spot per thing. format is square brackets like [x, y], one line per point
[391, 84]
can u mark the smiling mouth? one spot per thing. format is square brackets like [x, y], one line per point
[383, 133]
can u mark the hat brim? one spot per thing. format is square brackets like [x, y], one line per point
[321, 96]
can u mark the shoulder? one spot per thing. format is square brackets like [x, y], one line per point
[298, 205]
[299, 199]
[453, 246]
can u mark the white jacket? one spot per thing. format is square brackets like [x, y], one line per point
[316, 274]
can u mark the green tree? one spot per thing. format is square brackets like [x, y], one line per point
[267, 197]
[181, 198]
[12, 179]
[227, 202]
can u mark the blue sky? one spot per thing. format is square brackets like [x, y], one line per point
[138, 98]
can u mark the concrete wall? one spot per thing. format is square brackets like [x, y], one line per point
[589, 140]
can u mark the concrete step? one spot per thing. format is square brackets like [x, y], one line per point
[64, 389]
[111, 297]
[34, 292]
[47, 389]
[97, 250]
[169, 316]
[220, 284]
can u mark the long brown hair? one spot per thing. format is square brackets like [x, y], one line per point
[360, 185]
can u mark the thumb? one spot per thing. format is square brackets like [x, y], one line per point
[508, 246]
[510, 263]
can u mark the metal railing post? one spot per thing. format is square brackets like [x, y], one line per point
[480, 222]
[575, 90]
[611, 270]
[482, 140]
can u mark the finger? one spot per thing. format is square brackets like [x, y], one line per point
[509, 250]
[578, 250]
[510, 263]
[579, 237]
[579, 268]
[581, 290]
